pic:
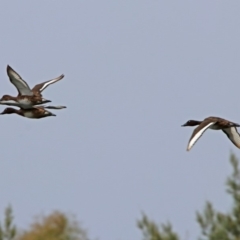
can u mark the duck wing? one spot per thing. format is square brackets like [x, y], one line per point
[55, 107]
[10, 103]
[226, 124]
[198, 132]
[18, 82]
[233, 135]
[41, 86]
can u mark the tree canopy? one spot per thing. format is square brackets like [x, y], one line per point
[55, 226]
[214, 225]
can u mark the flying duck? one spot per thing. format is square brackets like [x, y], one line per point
[35, 112]
[215, 123]
[27, 97]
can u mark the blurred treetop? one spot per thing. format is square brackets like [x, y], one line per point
[214, 225]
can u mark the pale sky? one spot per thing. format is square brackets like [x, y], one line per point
[135, 71]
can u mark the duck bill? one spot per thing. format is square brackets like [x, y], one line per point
[45, 101]
[184, 125]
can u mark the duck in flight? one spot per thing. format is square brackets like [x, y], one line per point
[35, 112]
[215, 123]
[27, 98]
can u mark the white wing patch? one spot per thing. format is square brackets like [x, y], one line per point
[50, 82]
[24, 105]
[193, 140]
[233, 135]
[19, 83]
[28, 114]
[9, 103]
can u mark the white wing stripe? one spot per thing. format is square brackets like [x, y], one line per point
[198, 135]
[47, 83]
[16, 78]
[19, 83]
[233, 135]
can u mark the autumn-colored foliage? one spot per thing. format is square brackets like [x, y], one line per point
[56, 226]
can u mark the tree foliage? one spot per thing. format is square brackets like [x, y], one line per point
[56, 226]
[151, 231]
[223, 226]
[7, 229]
[214, 225]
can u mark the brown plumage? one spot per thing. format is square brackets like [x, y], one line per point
[27, 98]
[35, 100]
[215, 123]
[35, 112]
[22, 86]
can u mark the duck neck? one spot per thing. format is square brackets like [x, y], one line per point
[195, 122]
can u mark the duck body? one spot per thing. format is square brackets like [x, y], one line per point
[27, 98]
[34, 113]
[23, 101]
[214, 123]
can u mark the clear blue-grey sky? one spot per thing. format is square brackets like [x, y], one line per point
[135, 71]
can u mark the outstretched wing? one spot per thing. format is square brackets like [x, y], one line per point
[233, 135]
[55, 107]
[18, 82]
[41, 86]
[198, 132]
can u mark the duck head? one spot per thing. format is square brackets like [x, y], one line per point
[6, 98]
[191, 123]
[9, 111]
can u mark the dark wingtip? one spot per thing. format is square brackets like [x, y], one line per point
[55, 107]
[235, 124]
[9, 69]
[61, 76]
